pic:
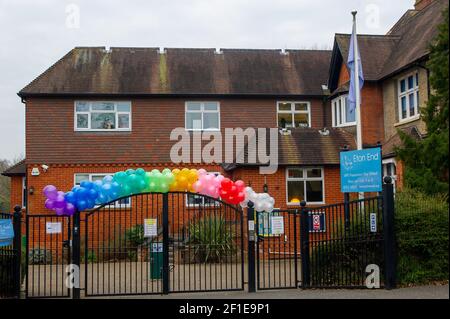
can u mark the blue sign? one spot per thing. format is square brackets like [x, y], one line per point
[361, 171]
[6, 232]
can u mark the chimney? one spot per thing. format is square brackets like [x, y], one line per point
[421, 4]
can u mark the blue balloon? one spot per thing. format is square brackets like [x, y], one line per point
[108, 179]
[101, 199]
[86, 184]
[82, 193]
[81, 205]
[90, 203]
[92, 194]
[70, 197]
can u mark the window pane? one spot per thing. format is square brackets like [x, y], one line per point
[417, 79]
[402, 85]
[314, 191]
[97, 177]
[314, 172]
[81, 177]
[194, 199]
[350, 115]
[284, 106]
[82, 107]
[123, 106]
[210, 121]
[410, 82]
[403, 101]
[106, 121]
[284, 120]
[301, 120]
[295, 173]
[301, 106]
[339, 117]
[194, 121]
[82, 120]
[193, 106]
[296, 191]
[103, 106]
[211, 106]
[335, 113]
[124, 120]
[412, 111]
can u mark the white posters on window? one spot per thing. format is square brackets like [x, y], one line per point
[53, 228]
[150, 227]
[277, 225]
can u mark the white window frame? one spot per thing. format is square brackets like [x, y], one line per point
[414, 91]
[24, 191]
[117, 113]
[304, 179]
[390, 161]
[292, 112]
[116, 204]
[342, 116]
[203, 198]
[202, 111]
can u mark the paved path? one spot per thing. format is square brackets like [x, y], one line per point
[422, 292]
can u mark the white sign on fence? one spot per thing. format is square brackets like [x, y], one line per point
[373, 222]
[53, 228]
[277, 225]
[150, 227]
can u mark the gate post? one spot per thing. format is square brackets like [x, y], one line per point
[17, 248]
[304, 244]
[390, 243]
[76, 255]
[165, 224]
[251, 247]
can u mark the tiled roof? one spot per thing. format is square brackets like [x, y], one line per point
[17, 169]
[95, 70]
[388, 148]
[307, 146]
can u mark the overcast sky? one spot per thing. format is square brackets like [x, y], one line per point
[36, 33]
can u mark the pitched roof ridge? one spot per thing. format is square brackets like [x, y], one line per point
[400, 21]
[422, 12]
[14, 166]
[383, 36]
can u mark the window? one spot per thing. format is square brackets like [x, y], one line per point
[202, 116]
[293, 114]
[304, 184]
[390, 169]
[193, 200]
[102, 116]
[408, 97]
[341, 113]
[125, 202]
[24, 192]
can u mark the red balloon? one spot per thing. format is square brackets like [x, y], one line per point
[239, 184]
[241, 197]
[226, 184]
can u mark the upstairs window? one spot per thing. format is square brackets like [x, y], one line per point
[293, 114]
[102, 116]
[408, 97]
[304, 184]
[202, 116]
[341, 113]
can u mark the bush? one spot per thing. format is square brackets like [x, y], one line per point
[212, 239]
[421, 224]
[39, 256]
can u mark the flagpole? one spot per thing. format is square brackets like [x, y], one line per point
[357, 91]
[357, 88]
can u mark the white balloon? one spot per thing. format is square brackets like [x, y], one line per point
[259, 206]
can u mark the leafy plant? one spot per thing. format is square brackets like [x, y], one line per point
[212, 238]
[39, 256]
[422, 230]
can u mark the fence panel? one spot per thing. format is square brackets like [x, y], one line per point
[8, 257]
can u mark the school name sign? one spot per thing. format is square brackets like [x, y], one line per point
[361, 171]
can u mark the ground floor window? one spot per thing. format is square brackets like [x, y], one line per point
[193, 200]
[305, 184]
[390, 169]
[99, 176]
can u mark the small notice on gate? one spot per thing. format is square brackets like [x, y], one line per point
[373, 222]
[53, 228]
[277, 225]
[150, 227]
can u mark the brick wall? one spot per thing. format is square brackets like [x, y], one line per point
[16, 192]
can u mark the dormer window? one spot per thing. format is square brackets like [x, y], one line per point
[293, 114]
[408, 97]
[341, 113]
[102, 116]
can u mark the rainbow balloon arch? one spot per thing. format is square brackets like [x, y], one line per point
[130, 182]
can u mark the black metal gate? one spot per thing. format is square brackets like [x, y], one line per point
[10, 256]
[48, 254]
[324, 247]
[154, 243]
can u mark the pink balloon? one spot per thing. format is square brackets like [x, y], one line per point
[201, 172]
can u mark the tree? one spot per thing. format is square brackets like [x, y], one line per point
[426, 160]
[4, 187]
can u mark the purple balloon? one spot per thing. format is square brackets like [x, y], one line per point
[59, 211]
[60, 202]
[49, 204]
[50, 192]
[69, 209]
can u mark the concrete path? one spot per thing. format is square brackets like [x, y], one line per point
[422, 292]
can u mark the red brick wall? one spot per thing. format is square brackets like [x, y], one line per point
[344, 76]
[50, 135]
[16, 192]
[372, 113]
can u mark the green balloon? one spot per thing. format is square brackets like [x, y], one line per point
[140, 171]
[129, 171]
[120, 177]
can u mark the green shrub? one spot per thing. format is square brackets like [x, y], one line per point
[39, 256]
[212, 239]
[421, 224]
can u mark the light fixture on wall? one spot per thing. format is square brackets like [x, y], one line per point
[31, 190]
[44, 167]
[265, 186]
